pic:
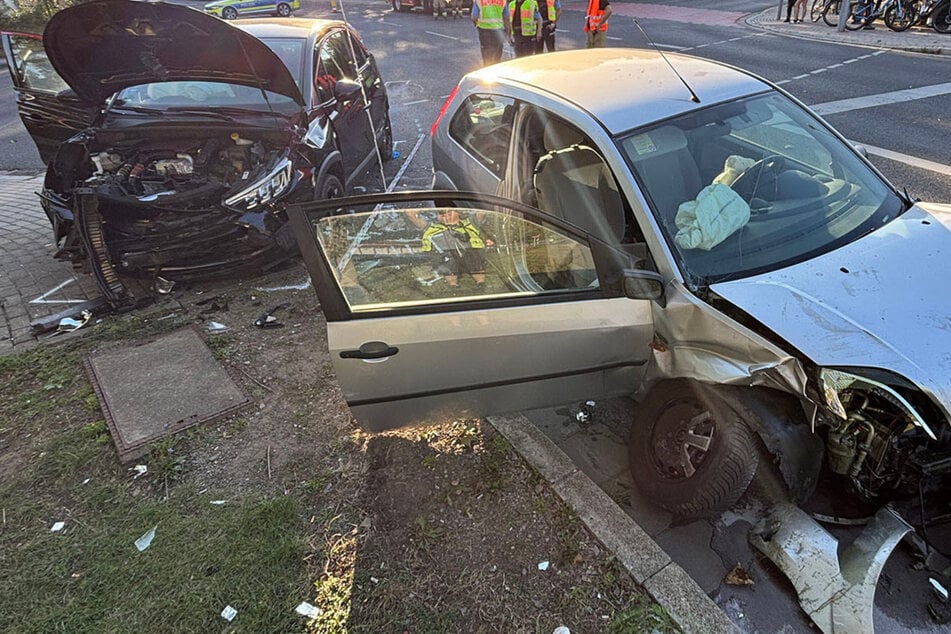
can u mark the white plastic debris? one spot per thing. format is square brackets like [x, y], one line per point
[308, 610]
[229, 613]
[146, 540]
[543, 565]
[938, 588]
[217, 502]
[303, 286]
[214, 326]
[86, 481]
[140, 470]
[561, 629]
[57, 527]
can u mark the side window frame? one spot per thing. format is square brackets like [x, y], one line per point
[493, 131]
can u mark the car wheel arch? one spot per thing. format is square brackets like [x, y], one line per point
[331, 165]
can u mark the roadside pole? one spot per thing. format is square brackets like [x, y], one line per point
[843, 14]
[779, 10]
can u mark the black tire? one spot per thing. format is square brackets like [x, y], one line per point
[386, 141]
[901, 22]
[284, 10]
[330, 187]
[830, 15]
[229, 13]
[815, 12]
[941, 18]
[692, 475]
[853, 22]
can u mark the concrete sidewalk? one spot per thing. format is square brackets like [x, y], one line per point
[917, 39]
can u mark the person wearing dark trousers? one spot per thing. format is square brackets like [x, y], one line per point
[551, 11]
[491, 20]
[524, 26]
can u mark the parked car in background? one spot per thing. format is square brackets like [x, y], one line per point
[704, 241]
[425, 5]
[175, 140]
[231, 9]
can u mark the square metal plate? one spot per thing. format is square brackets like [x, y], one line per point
[160, 386]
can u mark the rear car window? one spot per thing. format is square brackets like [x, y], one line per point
[483, 125]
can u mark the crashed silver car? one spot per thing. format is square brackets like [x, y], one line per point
[175, 139]
[703, 241]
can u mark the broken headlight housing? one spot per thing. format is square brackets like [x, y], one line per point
[274, 184]
[835, 382]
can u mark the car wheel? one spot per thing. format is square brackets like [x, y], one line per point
[229, 13]
[690, 452]
[284, 10]
[397, 6]
[330, 187]
[386, 142]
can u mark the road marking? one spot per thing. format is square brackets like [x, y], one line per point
[671, 46]
[413, 103]
[717, 43]
[611, 37]
[831, 66]
[42, 298]
[685, 15]
[448, 37]
[409, 159]
[914, 161]
[883, 99]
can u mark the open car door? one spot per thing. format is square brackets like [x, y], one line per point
[446, 305]
[49, 109]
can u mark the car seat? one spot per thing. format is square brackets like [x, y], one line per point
[573, 182]
[666, 168]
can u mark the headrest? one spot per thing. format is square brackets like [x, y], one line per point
[656, 142]
[560, 135]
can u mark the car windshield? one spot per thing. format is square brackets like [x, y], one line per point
[754, 185]
[199, 95]
[291, 52]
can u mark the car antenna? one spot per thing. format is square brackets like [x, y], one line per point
[693, 96]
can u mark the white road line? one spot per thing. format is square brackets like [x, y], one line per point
[413, 103]
[409, 159]
[448, 37]
[883, 99]
[914, 161]
[671, 46]
[611, 37]
[42, 298]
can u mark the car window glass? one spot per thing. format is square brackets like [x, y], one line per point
[369, 74]
[399, 258]
[753, 185]
[33, 67]
[483, 125]
[334, 64]
[291, 52]
[192, 95]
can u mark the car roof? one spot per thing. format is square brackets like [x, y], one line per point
[286, 27]
[623, 88]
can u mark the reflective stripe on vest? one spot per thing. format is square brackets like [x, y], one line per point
[490, 14]
[552, 15]
[594, 14]
[526, 14]
[464, 229]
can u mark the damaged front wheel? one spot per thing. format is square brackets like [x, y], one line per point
[690, 453]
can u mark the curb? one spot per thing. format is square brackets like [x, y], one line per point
[666, 582]
[765, 21]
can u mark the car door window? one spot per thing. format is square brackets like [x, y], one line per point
[483, 125]
[32, 67]
[333, 64]
[385, 259]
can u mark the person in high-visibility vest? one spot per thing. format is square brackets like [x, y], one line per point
[596, 22]
[525, 23]
[491, 19]
[551, 11]
[456, 246]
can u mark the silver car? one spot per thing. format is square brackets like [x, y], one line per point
[670, 227]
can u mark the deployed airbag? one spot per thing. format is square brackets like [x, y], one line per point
[712, 217]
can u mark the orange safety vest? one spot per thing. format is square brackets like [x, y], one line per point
[592, 17]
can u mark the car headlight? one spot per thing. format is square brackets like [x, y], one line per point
[272, 186]
[834, 382]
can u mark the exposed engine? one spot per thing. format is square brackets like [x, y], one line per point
[883, 453]
[148, 171]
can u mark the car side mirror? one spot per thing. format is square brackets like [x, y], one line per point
[346, 90]
[640, 284]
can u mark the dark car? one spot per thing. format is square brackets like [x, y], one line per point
[175, 140]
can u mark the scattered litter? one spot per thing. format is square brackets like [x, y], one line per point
[214, 326]
[68, 324]
[140, 470]
[146, 540]
[229, 613]
[86, 481]
[396, 154]
[267, 318]
[366, 523]
[738, 577]
[561, 629]
[308, 610]
[217, 502]
[374, 580]
[543, 565]
[168, 316]
[57, 527]
[939, 589]
[163, 286]
[289, 287]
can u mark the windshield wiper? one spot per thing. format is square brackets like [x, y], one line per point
[139, 109]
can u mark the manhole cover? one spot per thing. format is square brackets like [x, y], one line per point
[157, 387]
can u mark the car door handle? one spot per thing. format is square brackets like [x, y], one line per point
[370, 350]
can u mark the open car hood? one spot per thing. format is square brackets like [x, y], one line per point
[879, 302]
[100, 47]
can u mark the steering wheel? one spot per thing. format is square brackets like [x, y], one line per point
[761, 178]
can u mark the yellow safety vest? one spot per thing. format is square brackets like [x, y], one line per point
[464, 228]
[490, 14]
[527, 11]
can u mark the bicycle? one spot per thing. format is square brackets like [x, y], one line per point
[898, 15]
[829, 12]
